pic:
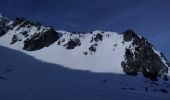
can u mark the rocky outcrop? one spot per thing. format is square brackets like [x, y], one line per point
[14, 39]
[98, 37]
[23, 22]
[72, 43]
[142, 58]
[40, 40]
[129, 35]
[34, 35]
[92, 48]
[3, 25]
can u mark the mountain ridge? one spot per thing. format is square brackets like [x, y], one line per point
[125, 52]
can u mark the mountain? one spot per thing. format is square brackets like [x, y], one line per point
[118, 60]
[96, 51]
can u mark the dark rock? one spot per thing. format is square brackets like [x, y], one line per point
[63, 40]
[92, 48]
[91, 40]
[18, 21]
[25, 34]
[143, 60]
[72, 43]
[98, 37]
[115, 45]
[59, 42]
[14, 39]
[3, 26]
[150, 75]
[40, 40]
[85, 53]
[95, 44]
[23, 22]
[128, 35]
[130, 67]
[3, 31]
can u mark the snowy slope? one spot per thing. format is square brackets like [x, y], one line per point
[96, 51]
[41, 63]
[107, 58]
[104, 60]
[26, 78]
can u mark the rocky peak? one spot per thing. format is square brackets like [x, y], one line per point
[141, 57]
[23, 22]
[33, 36]
[129, 35]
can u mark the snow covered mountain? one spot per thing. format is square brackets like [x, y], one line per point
[102, 52]
[96, 51]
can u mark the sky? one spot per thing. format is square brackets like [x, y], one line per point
[149, 18]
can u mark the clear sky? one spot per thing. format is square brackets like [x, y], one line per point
[149, 18]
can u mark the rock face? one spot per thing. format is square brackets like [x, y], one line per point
[34, 36]
[3, 25]
[98, 37]
[41, 40]
[72, 43]
[143, 59]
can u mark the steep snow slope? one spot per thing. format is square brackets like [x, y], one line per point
[106, 58]
[96, 51]
[26, 78]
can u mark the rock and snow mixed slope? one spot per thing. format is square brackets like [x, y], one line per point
[108, 54]
[96, 51]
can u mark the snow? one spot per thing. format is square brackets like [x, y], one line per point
[159, 54]
[105, 59]
[32, 79]
[163, 60]
[5, 40]
[55, 72]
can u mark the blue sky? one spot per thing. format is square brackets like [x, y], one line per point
[149, 18]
